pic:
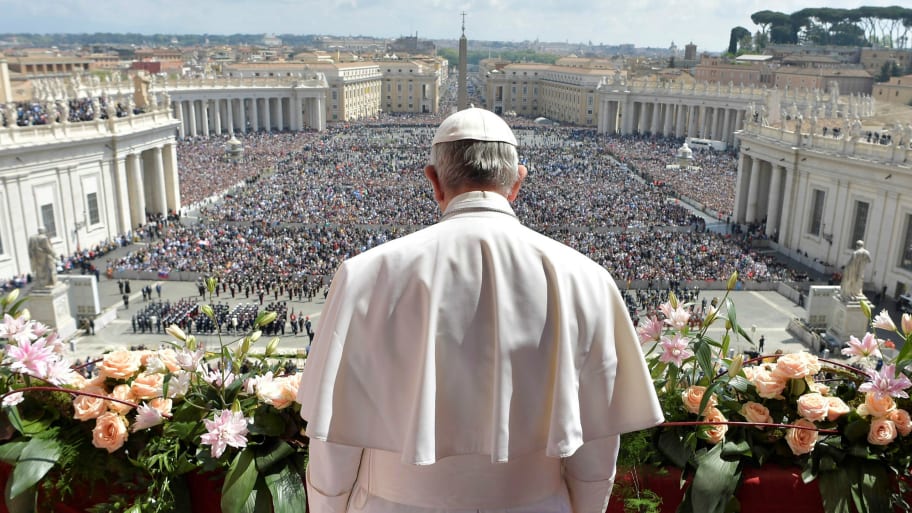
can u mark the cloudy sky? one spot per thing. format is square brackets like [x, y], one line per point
[641, 22]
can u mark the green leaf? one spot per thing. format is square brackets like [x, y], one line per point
[704, 358]
[739, 383]
[715, 481]
[858, 430]
[277, 453]
[287, 489]
[732, 315]
[726, 343]
[10, 451]
[239, 482]
[37, 458]
[835, 489]
[905, 353]
[673, 447]
[24, 502]
[268, 422]
[873, 481]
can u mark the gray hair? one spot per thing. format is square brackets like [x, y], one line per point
[477, 163]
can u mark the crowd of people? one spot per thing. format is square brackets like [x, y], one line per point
[277, 224]
[73, 111]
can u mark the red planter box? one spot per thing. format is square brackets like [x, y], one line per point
[762, 490]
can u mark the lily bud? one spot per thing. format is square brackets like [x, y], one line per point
[236, 406]
[25, 315]
[732, 281]
[175, 331]
[191, 343]
[736, 364]
[211, 284]
[865, 309]
[906, 324]
[272, 346]
[265, 318]
[207, 311]
[11, 297]
[255, 335]
[673, 300]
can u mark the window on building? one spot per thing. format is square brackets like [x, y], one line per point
[859, 224]
[47, 218]
[817, 212]
[92, 206]
[905, 257]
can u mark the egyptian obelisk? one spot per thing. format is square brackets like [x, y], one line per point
[462, 98]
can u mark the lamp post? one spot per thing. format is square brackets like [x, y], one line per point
[79, 225]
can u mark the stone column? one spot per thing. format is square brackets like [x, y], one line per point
[254, 115]
[137, 191]
[751, 214]
[191, 115]
[727, 130]
[654, 122]
[692, 121]
[714, 131]
[280, 114]
[204, 115]
[267, 115]
[172, 182]
[216, 106]
[295, 113]
[641, 126]
[230, 112]
[786, 215]
[775, 201]
[321, 114]
[121, 192]
[159, 203]
[179, 114]
[741, 185]
[242, 114]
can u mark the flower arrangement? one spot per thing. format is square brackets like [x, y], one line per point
[844, 423]
[148, 420]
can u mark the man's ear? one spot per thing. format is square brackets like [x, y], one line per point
[514, 190]
[431, 173]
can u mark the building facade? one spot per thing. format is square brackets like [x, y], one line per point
[816, 195]
[412, 86]
[84, 182]
[566, 94]
[897, 90]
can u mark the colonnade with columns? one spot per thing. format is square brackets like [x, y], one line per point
[762, 192]
[263, 112]
[146, 181]
[670, 117]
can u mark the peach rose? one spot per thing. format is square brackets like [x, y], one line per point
[882, 432]
[801, 441]
[147, 386]
[124, 393]
[876, 407]
[693, 396]
[110, 432]
[768, 385]
[813, 407]
[88, 408]
[901, 419]
[820, 388]
[161, 404]
[169, 358]
[119, 365]
[837, 408]
[756, 412]
[796, 365]
[715, 434]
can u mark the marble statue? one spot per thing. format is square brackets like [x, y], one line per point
[42, 259]
[853, 274]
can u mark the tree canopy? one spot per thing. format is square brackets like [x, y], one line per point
[864, 26]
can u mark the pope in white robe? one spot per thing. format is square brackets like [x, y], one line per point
[475, 365]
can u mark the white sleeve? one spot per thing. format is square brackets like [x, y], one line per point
[589, 474]
[332, 470]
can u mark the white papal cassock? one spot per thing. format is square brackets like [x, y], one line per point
[473, 365]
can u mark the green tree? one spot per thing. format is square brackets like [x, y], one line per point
[737, 35]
